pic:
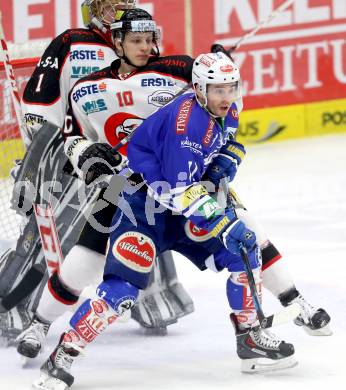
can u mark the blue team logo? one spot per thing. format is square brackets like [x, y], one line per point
[82, 71]
[93, 106]
[119, 126]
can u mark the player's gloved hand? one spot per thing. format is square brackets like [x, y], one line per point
[226, 163]
[98, 159]
[229, 262]
[237, 233]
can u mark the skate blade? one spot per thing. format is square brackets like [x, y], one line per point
[47, 383]
[325, 331]
[125, 317]
[262, 365]
[23, 361]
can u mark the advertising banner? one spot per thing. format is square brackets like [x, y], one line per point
[293, 70]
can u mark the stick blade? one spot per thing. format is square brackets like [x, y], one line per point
[287, 314]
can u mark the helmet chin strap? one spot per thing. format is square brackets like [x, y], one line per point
[126, 59]
[99, 25]
[205, 105]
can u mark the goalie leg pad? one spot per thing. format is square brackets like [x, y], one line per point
[164, 300]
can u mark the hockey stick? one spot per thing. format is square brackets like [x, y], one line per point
[262, 23]
[287, 313]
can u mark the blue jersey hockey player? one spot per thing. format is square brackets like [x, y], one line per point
[169, 155]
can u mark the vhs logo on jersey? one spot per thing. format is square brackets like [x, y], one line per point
[89, 90]
[81, 71]
[160, 98]
[90, 55]
[94, 106]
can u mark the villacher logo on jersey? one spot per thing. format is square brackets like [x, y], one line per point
[136, 251]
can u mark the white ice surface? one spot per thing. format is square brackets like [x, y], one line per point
[297, 190]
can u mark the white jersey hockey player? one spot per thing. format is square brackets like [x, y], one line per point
[71, 56]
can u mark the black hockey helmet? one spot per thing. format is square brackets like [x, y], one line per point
[134, 20]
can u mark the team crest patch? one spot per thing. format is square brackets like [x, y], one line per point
[136, 251]
[196, 234]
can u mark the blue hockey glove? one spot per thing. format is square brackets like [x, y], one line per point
[231, 231]
[237, 233]
[226, 163]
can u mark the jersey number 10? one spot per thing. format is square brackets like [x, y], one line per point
[125, 98]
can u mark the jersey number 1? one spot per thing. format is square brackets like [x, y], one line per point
[40, 79]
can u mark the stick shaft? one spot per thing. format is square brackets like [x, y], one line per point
[263, 23]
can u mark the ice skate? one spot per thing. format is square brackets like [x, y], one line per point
[260, 351]
[55, 372]
[314, 321]
[31, 341]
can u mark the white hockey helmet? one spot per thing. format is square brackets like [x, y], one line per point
[215, 68]
[101, 12]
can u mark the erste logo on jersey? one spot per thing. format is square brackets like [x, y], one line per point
[119, 126]
[90, 55]
[93, 106]
[89, 90]
[82, 71]
[157, 82]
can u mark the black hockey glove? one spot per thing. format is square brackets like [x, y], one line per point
[216, 47]
[98, 159]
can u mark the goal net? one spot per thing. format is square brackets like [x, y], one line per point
[24, 59]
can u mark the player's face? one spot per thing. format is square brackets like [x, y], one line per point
[220, 98]
[138, 46]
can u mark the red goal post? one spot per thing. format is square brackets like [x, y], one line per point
[23, 59]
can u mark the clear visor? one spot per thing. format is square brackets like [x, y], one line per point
[229, 91]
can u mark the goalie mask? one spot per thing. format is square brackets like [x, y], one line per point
[101, 13]
[215, 68]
